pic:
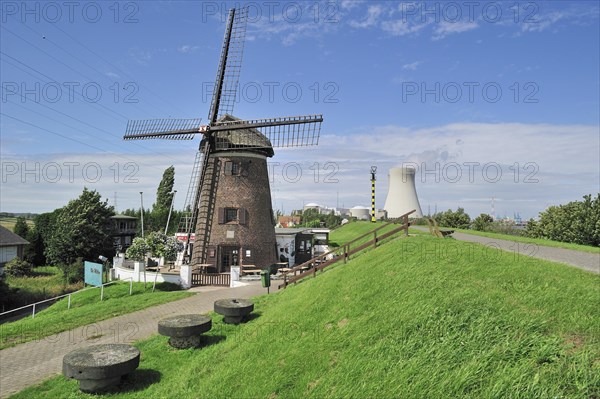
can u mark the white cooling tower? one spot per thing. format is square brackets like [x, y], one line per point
[402, 194]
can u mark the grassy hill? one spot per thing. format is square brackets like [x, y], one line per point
[417, 318]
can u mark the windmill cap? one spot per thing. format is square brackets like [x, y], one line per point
[243, 139]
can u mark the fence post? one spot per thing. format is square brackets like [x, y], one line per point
[375, 239]
[285, 280]
[69, 302]
[102, 292]
[406, 224]
[33, 313]
[130, 286]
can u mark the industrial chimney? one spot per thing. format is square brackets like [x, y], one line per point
[402, 194]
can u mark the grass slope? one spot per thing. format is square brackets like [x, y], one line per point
[352, 230]
[538, 241]
[86, 308]
[419, 317]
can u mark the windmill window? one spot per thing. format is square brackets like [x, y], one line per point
[231, 215]
[232, 168]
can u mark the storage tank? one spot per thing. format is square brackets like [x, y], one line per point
[361, 212]
[402, 194]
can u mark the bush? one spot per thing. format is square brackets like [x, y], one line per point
[18, 268]
[577, 222]
[482, 222]
[457, 219]
[74, 272]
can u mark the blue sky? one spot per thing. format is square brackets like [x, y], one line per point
[508, 89]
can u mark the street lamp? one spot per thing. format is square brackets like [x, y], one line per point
[142, 202]
[170, 210]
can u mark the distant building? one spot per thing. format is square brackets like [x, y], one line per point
[11, 246]
[288, 221]
[123, 231]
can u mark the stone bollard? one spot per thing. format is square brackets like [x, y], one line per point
[100, 367]
[184, 330]
[234, 310]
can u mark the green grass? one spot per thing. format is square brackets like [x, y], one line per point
[86, 308]
[46, 282]
[352, 230]
[538, 241]
[417, 318]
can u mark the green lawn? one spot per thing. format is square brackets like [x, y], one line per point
[538, 241]
[419, 317]
[86, 308]
[352, 230]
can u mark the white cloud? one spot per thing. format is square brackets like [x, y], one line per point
[371, 19]
[445, 28]
[402, 27]
[187, 48]
[563, 159]
[412, 66]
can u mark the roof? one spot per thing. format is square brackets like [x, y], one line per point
[8, 238]
[289, 230]
[121, 216]
[242, 139]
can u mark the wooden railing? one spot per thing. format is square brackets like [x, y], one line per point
[211, 279]
[344, 251]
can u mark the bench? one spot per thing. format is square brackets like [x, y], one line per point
[250, 270]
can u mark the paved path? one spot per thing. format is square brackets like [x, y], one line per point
[583, 260]
[32, 362]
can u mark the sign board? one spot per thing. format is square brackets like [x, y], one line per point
[93, 273]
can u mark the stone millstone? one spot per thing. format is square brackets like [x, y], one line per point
[234, 310]
[99, 367]
[184, 330]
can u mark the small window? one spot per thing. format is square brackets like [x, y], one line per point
[231, 215]
[232, 168]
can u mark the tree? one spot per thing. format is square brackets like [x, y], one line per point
[164, 194]
[138, 249]
[38, 237]
[7, 294]
[156, 244]
[21, 228]
[482, 222]
[82, 230]
[457, 219]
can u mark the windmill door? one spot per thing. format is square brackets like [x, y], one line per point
[303, 248]
[228, 256]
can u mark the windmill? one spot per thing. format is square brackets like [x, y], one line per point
[228, 204]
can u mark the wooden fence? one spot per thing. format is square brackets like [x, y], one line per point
[211, 279]
[343, 252]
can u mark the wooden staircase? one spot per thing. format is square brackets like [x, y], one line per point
[343, 252]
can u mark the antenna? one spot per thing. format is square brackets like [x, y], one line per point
[373, 172]
[493, 208]
[115, 202]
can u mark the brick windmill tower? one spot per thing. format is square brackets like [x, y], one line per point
[228, 206]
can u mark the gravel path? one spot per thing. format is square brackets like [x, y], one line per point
[33, 362]
[583, 260]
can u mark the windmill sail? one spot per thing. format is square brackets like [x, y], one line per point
[167, 129]
[230, 65]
